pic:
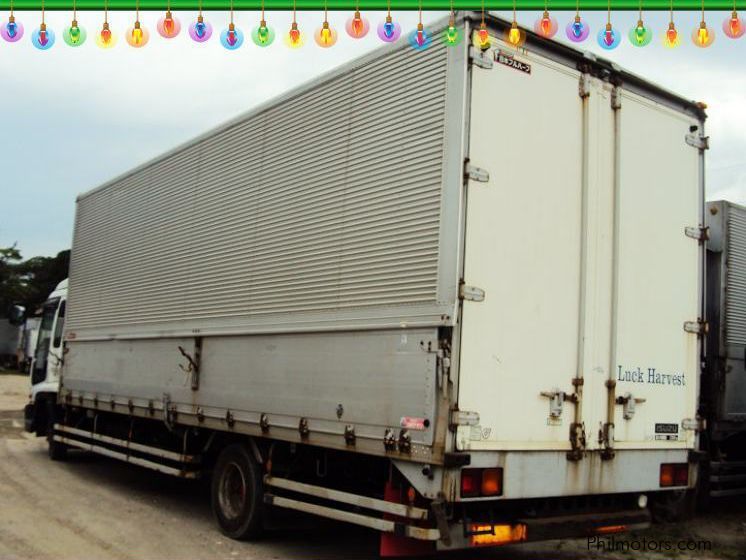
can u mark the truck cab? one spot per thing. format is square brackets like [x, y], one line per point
[47, 362]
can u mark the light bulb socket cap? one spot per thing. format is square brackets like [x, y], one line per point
[12, 19]
[200, 19]
[137, 24]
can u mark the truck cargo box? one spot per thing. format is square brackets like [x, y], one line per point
[436, 257]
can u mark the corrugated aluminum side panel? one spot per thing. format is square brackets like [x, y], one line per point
[329, 200]
[735, 295]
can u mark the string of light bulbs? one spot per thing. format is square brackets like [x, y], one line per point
[357, 27]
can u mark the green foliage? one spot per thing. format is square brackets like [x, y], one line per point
[29, 282]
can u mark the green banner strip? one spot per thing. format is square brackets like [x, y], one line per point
[348, 5]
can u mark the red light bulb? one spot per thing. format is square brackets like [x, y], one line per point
[546, 24]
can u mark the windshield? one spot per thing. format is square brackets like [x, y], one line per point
[42, 344]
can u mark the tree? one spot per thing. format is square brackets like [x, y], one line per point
[28, 283]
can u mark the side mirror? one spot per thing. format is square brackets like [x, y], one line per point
[17, 315]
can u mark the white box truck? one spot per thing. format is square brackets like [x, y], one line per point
[452, 295]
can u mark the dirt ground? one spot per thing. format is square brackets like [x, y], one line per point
[94, 508]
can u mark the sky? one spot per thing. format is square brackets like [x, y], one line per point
[75, 117]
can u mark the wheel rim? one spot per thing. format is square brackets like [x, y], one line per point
[232, 494]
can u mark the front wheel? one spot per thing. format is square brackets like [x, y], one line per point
[237, 493]
[56, 450]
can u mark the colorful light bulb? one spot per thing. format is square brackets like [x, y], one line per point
[12, 30]
[546, 25]
[577, 30]
[43, 38]
[168, 26]
[200, 30]
[74, 35]
[733, 26]
[137, 36]
[231, 37]
[671, 37]
[262, 34]
[452, 35]
[515, 35]
[357, 26]
[388, 30]
[294, 39]
[325, 35]
[419, 38]
[105, 39]
[608, 37]
[703, 36]
[482, 37]
[640, 35]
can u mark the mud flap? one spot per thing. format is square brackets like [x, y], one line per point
[398, 545]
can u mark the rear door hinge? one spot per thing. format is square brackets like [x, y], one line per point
[694, 424]
[470, 293]
[463, 418]
[698, 327]
[476, 173]
[700, 233]
[697, 140]
[480, 59]
[584, 86]
[616, 98]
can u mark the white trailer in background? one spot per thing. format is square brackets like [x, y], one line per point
[451, 295]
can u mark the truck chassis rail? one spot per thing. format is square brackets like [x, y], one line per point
[122, 450]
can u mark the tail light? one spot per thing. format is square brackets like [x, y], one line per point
[674, 474]
[477, 483]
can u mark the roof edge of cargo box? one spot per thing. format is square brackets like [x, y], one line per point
[605, 69]
[559, 52]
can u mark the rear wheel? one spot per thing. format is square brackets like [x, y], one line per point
[237, 493]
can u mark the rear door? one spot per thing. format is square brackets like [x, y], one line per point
[658, 276]
[523, 250]
[588, 276]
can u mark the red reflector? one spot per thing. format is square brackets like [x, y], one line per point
[471, 480]
[681, 474]
[492, 482]
[607, 529]
[674, 474]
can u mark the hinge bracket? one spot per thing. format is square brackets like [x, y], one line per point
[694, 424]
[470, 293]
[480, 59]
[584, 86]
[616, 98]
[698, 327]
[700, 233]
[697, 140]
[463, 418]
[476, 173]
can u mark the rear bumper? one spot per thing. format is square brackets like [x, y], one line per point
[469, 534]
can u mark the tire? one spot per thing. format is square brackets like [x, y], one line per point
[237, 493]
[57, 451]
[674, 506]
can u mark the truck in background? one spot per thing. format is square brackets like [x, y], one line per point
[416, 329]
[27, 344]
[723, 392]
[46, 365]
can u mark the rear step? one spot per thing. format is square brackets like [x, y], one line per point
[410, 513]
[121, 449]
